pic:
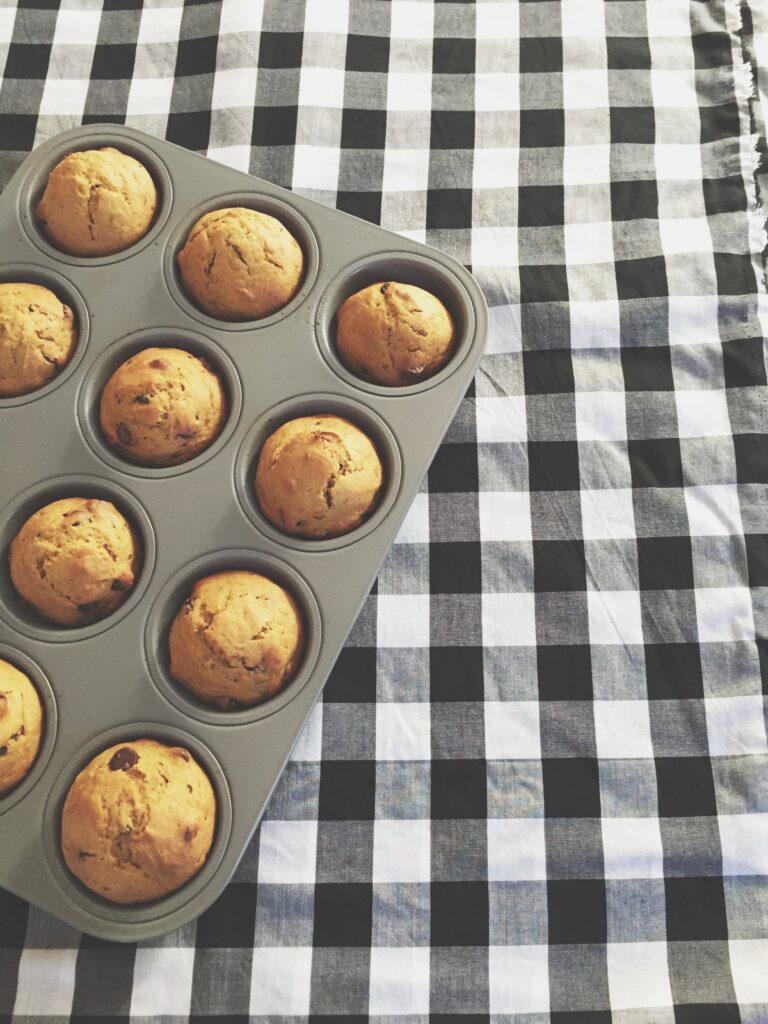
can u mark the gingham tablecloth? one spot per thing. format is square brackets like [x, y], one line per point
[537, 787]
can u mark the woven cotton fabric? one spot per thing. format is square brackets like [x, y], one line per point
[536, 789]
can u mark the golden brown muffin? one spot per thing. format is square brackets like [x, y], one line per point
[237, 639]
[75, 560]
[138, 821]
[394, 334]
[21, 726]
[37, 337]
[240, 264]
[163, 406]
[318, 476]
[97, 202]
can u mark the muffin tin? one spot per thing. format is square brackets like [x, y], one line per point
[109, 681]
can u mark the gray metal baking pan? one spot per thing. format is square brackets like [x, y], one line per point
[109, 681]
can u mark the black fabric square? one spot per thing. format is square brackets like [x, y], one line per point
[647, 368]
[571, 787]
[103, 118]
[641, 279]
[634, 200]
[665, 563]
[363, 129]
[762, 653]
[757, 559]
[347, 790]
[548, 372]
[751, 458]
[459, 789]
[565, 672]
[191, 130]
[456, 674]
[280, 49]
[543, 284]
[628, 53]
[633, 124]
[123, 5]
[366, 205]
[673, 671]
[13, 914]
[113, 60]
[231, 920]
[707, 1013]
[744, 363]
[720, 122]
[559, 565]
[27, 60]
[459, 914]
[343, 914]
[449, 208]
[580, 1017]
[656, 463]
[353, 677]
[685, 787]
[724, 195]
[455, 568]
[577, 911]
[712, 50]
[454, 469]
[553, 465]
[453, 56]
[227, 1018]
[196, 56]
[17, 131]
[367, 53]
[452, 129]
[542, 128]
[540, 205]
[274, 126]
[695, 909]
[543, 53]
[735, 274]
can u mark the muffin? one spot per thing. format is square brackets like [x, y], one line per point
[74, 561]
[21, 726]
[394, 334]
[237, 640]
[97, 202]
[318, 476]
[240, 264]
[163, 406]
[138, 821]
[37, 337]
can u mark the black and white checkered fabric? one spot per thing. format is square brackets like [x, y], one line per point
[537, 787]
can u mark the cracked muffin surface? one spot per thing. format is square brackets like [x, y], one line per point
[240, 264]
[162, 407]
[318, 476]
[394, 334]
[21, 726]
[97, 202]
[138, 821]
[74, 560]
[37, 337]
[237, 639]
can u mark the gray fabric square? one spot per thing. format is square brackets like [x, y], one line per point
[502, 467]
[707, 460]
[402, 674]
[510, 673]
[458, 730]
[515, 789]
[400, 914]
[678, 728]
[691, 847]
[349, 732]
[294, 798]
[651, 414]
[551, 417]
[556, 515]
[567, 728]
[344, 851]
[455, 620]
[741, 784]
[637, 910]
[518, 913]
[502, 374]
[405, 570]
[403, 789]
[618, 673]
[578, 977]
[340, 980]
[507, 567]
[284, 915]
[459, 850]
[730, 669]
[222, 978]
[604, 465]
[562, 618]
[452, 516]
[660, 512]
[628, 789]
[669, 616]
[574, 847]
[719, 561]
[700, 972]
[458, 979]
[611, 564]
[746, 904]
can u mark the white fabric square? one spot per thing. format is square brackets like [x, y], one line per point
[287, 851]
[582, 18]
[588, 243]
[685, 234]
[149, 96]
[509, 620]
[585, 90]
[405, 170]
[744, 844]
[399, 981]
[518, 979]
[8, 16]
[280, 980]
[702, 414]
[678, 162]
[238, 157]
[497, 20]
[45, 983]
[403, 731]
[586, 165]
[674, 89]
[160, 24]
[516, 850]
[320, 16]
[713, 510]
[78, 27]
[512, 730]
[601, 416]
[501, 419]
[401, 850]
[496, 90]
[411, 19]
[693, 320]
[632, 847]
[415, 527]
[724, 613]
[316, 167]
[321, 87]
[409, 90]
[750, 978]
[607, 514]
[735, 725]
[623, 728]
[494, 247]
[668, 18]
[505, 332]
[162, 981]
[505, 515]
[638, 975]
[402, 620]
[310, 742]
[240, 18]
[595, 324]
[63, 96]
[614, 617]
[234, 87]
[494, 168]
